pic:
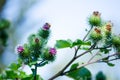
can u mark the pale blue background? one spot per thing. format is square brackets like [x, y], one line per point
[68, 19]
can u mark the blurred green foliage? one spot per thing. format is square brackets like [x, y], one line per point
[2, 3]
[4, 25]
[100, 76]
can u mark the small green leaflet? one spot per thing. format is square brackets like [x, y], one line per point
[110, 64]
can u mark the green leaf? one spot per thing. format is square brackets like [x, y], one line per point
[79, 74]
[63, 43]
[31, 77]
[105, 51]
[77, 42]
[14, 66]
[11, 74]
[100, 76]
[19, 62]
[69, 43]
[80, 42]
[22, 75]
[84, 48]
[110, 64]
[105, 59]
[74, 66]
[39, 77]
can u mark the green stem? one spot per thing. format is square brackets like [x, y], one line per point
[83, 40]
[35, 72]
[87, 34]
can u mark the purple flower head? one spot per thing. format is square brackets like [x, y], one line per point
[52, 51]
[20, 49]
[46, 26]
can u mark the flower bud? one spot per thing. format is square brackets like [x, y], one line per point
[116, 44]
[98, 31]
[34, 41]
[37, 41]
[44, 32]
[20, 49]
[107, 28]
[25, 51]
[49, 54]
[96, 35]
[52, 51]
[116, 41]
[46, 26]
[95, 19]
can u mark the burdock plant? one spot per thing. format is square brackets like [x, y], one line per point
[35, 52]
[99, 40]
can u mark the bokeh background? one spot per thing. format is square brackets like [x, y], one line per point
[68, 19]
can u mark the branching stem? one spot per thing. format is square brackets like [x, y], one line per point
[60, 73]
[88, 63]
